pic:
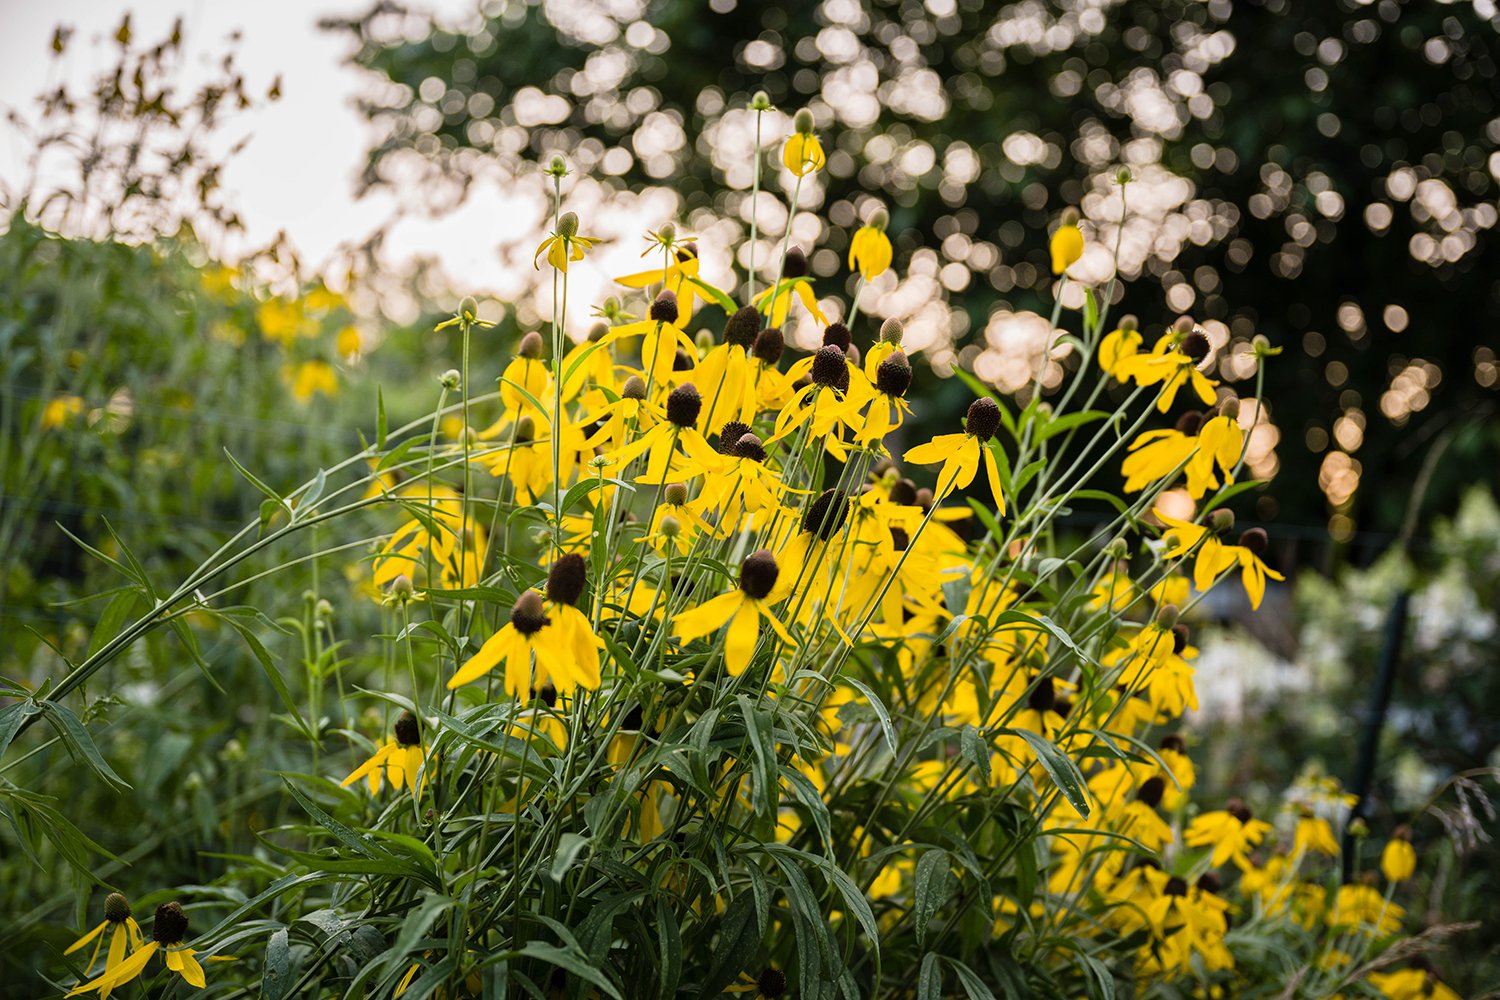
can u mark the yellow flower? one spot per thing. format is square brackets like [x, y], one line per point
[167, 935]
[309, 379]
[564, 244]
[742, 610]
[126, 932]
[1398, 861]
[347, 343]
[1067, 243]
[529, 636]
[803, 154]
[961, 453]
[60, 410]
[870, 249]
[1411, 984]
[400, 760]
[1119, 344]
[1314, 836]
[1214, 557]
[1231, 832]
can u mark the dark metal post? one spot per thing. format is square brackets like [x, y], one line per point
[1380, 700]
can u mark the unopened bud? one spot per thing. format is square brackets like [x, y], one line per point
[1128, 323]
[557, 167]
[1069, 216]
[451, 380]
[468, 309]
[1166, 616]
[760, 101]
[670, 526]
[634, 388]
[401, 589]
[598, 332]
[1124, 176]
[879, 219]
[1221, 521]
[531, 347]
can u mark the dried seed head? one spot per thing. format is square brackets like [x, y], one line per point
[742, 326]
[758, 574]
[730, 434]
[1174, 743]
[116, 907]
[893, 376]
[826, 515]
[547, 695]
[829, 368]
[892, 332]
[664, 307]
[1043, 696]
[531, 347]
[795, 265]
[904, 492]
[1180, 636]
[682, 361]
[769, 343]
[675, 494]
[567, 225]
[634, 388]
[1151, 791]
[567, 579]
[1190, 423]
[684, 404]
[528, 615]
[1196, 346]
[802, 121]
[171, 924]
[1176, 886]
[1238, 809]
[983, 418]
[771, 982]
[750, 446]
[1255, 540]
[408, 733]
[837, 334]
[1209, 882]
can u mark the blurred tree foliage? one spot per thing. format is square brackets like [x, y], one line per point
[1338, 171]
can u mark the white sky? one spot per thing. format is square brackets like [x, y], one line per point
[298, 172]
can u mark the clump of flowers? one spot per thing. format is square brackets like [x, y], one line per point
[722, 677]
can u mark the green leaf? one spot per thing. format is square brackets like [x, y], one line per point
[934, 885]
[11, 719]
[253, 480]
[78, 741]
[721, 298]
[762, 741]
[381, 429]
[570, 961]
[276, 979]
[972, 749]
[886, 729]
[396, 455]
[668, 948]
[1231, 491]
[973, 985]
[1068, 422]
[569, 846]
[930, 979]
[1059, 767]
[1099, 973]
[739, 940]
[263, 657]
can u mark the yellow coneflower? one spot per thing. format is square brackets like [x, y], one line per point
[659, 444]
[125, 933]
[1231, 832]
[1118, 344]
[771, 983]
[167, 935]
[1172, 363]
[962, 454]
[399, 761]
[564, 244]
[530, 636]
[803, 154]
[1214, 557]
[566, 582]
[309, 379]
[1398, 861]
[870, 248]
[776, 301]
[1066, 245]
[741, 609]
[60, 410]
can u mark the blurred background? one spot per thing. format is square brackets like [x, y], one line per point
[224, 226]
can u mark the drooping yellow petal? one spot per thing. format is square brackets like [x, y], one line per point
[740, 639]
[122, 973]
[487, 658]
[1067, 247]
[707, 617]
[86, 938]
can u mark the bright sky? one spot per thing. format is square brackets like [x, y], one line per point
[297, 174]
